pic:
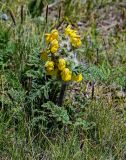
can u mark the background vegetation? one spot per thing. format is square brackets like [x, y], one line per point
[91, 124]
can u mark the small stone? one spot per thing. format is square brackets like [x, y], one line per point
[4, 17]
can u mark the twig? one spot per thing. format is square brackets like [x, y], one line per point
[12, 16]
[59, 15]
[46, 14]
[22, 14]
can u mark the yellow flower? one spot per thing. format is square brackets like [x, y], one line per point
[55, 34]
[69, 31]
[49, 66]
[44, 56]
[77, 78]
[76, 41]
[74, 38]
[47, 38]
[54, 49]
[66, 74]
[54, 43]
[51, 36]
[61, 64]
[54, 46]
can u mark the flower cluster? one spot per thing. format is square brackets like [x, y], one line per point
[74, 37]
[57, 64]
[52, 38]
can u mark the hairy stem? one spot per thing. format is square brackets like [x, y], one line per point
[61, 95]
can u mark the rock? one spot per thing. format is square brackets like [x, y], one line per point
[4, 17]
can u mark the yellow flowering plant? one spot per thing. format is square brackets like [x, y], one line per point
[59, 55]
